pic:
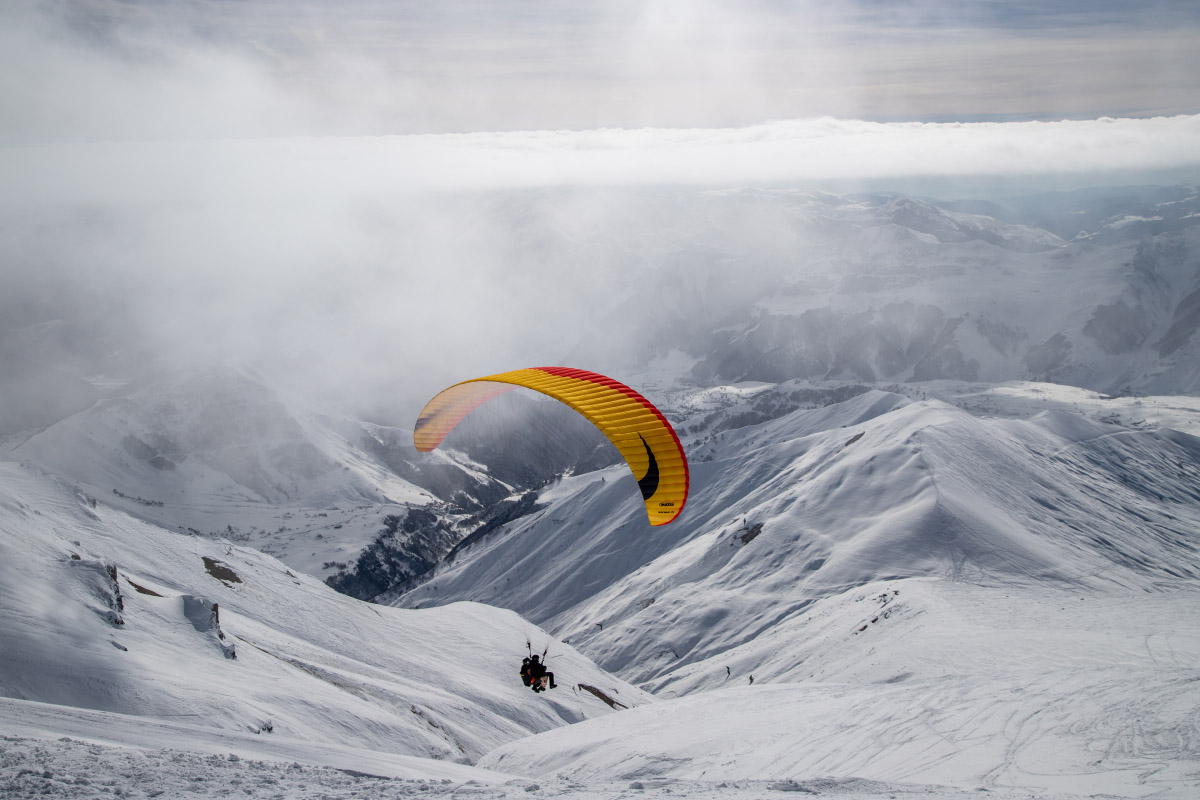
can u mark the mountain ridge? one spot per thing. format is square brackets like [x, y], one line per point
[874, 488]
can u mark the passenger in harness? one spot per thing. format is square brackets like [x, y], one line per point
[540, 678]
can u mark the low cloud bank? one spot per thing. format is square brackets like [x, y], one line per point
[807, 152]
[385, 266]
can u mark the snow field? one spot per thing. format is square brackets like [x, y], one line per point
[66, 767]
[222, 455]
[873, 488]
[924, 681]
[921, 594]
[931, 603]
[310, 664]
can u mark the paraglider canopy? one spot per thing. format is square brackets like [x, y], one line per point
[632, 423]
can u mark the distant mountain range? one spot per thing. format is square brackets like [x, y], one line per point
[942, 522]
[689, 289]
[777, 285]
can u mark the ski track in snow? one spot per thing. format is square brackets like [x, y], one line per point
[33, 768]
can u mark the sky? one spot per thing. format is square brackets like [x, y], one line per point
[168, 69]
[288, 176]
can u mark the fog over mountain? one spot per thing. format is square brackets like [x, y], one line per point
[917, 285]
[745, 284]
[938, 450]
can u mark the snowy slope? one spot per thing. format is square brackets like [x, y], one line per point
[976, 585]
[926, 681]
[126, 686]
[926, 597]
[885, 588]
[184, 740]
[223, 454]
[102, 611]
[68, 767]
[816, 502]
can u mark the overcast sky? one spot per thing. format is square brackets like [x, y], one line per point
[151, 69]
[262, 177]
[467, 93]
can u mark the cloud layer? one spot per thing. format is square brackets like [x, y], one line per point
[283, 183]
[113, 70]
[808, 152]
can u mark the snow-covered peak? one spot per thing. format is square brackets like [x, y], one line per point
[224, 454]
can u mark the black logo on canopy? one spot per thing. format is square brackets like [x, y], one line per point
[648, 483]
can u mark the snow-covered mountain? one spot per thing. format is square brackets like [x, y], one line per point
[871, 593]
[1094, 288]
[223, 454]
[819, 501]
[903, 563]
[790, 284]
[892, 586]
[103, 611]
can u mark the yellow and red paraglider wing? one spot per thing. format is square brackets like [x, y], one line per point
[631, 422]
[449, 407]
